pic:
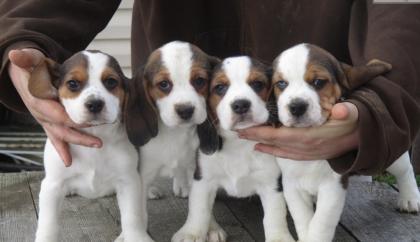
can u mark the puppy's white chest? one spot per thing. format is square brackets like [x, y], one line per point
[240, 170]
[307, 175]
[94, 172]
[172, 147]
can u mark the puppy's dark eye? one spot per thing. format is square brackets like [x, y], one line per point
[319, 83]
[199, 82]
[221, 89]
[73, 85]
[258, 86]
[282, 84]
[110, 83]
[165, 86]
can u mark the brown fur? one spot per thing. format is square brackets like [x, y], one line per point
[77, 73]
[257, 74]
[213, 100]
[277, 76]
[331, 92]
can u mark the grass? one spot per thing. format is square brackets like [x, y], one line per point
[390, 179]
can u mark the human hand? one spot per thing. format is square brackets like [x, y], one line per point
[49, 113]
[337, 136]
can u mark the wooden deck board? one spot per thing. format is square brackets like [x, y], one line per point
[81, 219]
[17, 212]
[369, 214]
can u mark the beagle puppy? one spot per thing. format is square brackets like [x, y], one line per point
[307, 82]
[92, 88]
[239, 91]
[175, 82]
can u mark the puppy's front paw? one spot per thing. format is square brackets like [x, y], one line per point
[282, 238]
[180, 189]
[45, 238]
[184, 235]
[141, 238]
[154, 193]
[216, 235]
[409, 204]
[279, 240]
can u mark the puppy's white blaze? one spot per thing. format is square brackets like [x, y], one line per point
[177, 58]
[94, 88]
[237, 69]
[292, 64]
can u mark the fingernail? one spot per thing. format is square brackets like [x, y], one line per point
[96, 145]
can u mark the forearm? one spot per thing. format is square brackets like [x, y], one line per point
[389, 110]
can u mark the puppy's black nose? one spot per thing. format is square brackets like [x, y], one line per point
[241, 106]
[184, 111]
[298, 107]
[94, 105]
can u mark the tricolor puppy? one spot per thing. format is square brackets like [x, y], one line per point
[92, 88]
[175, 83]
[308, 81]
[239, 91]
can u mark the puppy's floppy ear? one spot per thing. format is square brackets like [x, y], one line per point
[214, 61]
[359, 75]
[273, 118]
[140, 117]
[43, 82]
[210, 141]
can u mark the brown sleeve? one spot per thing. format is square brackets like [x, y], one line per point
[389, 106]
[57, 28]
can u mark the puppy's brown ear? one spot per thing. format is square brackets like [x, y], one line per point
[140, 117]
[271, 104]
[44, 79]
[214, 61]
[359, 75]
[210, 141]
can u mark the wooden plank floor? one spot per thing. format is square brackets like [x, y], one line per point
[369, 214]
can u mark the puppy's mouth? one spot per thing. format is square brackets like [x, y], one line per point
[97, 120]
[243, 121]
[302, 122]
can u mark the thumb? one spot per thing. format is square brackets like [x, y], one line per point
[26, 58]
[345, 110]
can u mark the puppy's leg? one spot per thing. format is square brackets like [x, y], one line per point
[216, 233]
[51, 197]
[275, 211]
[149, 171]
[200, 206]
[132, 204]
[300, 206]
[409, 197]
[329, 206]
[182, 180]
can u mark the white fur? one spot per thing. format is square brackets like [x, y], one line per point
[237, 70]
[292, 63]
[173, 152]
[237, 168]
[307, 181]
[177, 58]
[94, 89]
[94, 172]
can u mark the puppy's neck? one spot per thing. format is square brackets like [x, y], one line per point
[177, 128]
[112, 131]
